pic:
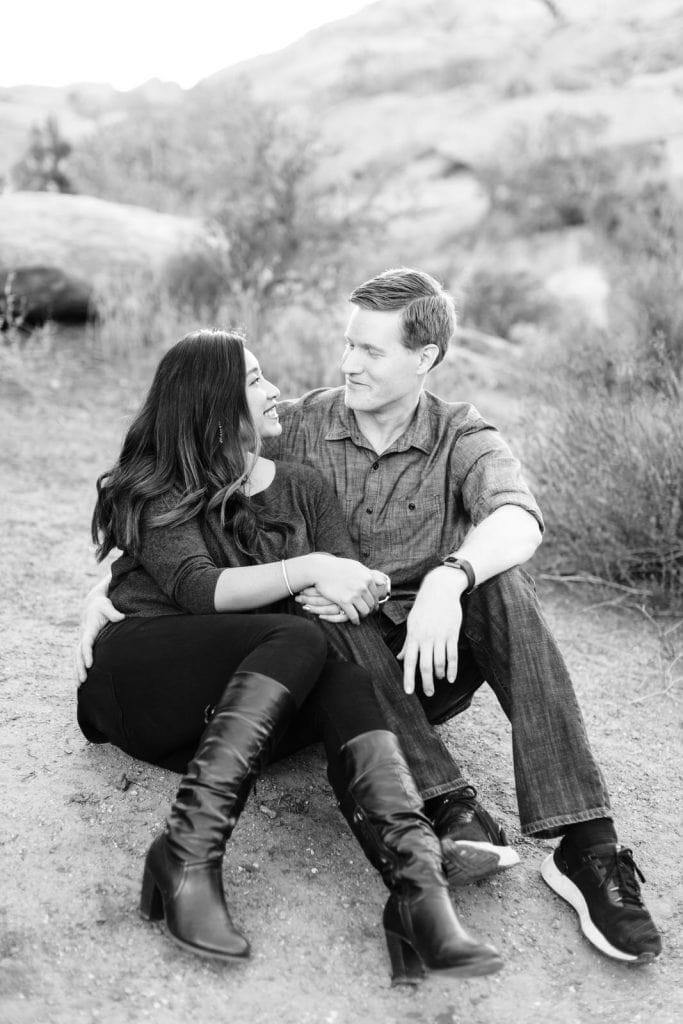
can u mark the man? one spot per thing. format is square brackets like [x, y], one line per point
[434, 498]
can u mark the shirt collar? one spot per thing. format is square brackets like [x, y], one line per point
[418, 433]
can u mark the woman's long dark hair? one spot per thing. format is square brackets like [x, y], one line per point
[193, 440]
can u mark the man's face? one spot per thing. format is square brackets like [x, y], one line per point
[381, 373]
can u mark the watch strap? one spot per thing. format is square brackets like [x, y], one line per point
[453, 562]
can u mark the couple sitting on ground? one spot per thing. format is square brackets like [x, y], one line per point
[243, 606]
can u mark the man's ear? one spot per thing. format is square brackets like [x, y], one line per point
[428, 356]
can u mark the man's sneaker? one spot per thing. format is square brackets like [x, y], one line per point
[602, 887]
[474, 845]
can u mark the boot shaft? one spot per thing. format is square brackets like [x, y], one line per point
[385, 812]
[251, 715]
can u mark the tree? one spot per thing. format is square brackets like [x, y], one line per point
[278, 232]
[41, 168]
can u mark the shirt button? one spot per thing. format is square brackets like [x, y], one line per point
[366, 554]
[369, 511]
[375, 465]
[411, 506]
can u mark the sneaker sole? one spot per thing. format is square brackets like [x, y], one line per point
[565, 888]
[466, 861]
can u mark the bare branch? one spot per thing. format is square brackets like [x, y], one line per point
[557, 14]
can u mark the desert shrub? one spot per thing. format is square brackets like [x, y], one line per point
[138, 316]
[197, 278]
[604, 444]
[604, 447]
[554, 174]
[301, 349]
[495, 299]
[12, 314]
[280, 234]
[17, 333]
[42, 167]
[24, 358]
[644, 255]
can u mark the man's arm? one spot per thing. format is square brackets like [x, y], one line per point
[507, 537]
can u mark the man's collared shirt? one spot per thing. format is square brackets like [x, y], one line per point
[412, 505]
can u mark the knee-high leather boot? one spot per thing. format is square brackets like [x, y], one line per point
[379, 799]
[183, 880]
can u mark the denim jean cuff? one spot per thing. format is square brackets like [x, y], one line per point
[551, 828]
[443, 788]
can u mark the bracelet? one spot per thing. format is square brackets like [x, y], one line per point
[284, 576]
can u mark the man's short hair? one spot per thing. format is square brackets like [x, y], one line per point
[429, 316]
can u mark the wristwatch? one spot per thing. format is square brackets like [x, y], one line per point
[453, 562]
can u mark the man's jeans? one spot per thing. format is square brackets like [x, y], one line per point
[506, 642]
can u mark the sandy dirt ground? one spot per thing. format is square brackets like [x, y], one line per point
[77, 819]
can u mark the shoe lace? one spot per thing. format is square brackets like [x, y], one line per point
[621, 874]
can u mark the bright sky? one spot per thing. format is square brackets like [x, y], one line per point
[126, 42]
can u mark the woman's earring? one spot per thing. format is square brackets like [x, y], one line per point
[220, 434]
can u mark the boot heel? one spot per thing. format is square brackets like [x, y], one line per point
[406, 965]
[151, 903]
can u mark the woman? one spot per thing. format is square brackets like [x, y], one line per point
[211, 532]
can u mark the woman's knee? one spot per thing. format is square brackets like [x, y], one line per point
[306, 633]
[288, 649]
[301, 637]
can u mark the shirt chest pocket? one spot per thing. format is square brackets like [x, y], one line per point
[414, 527]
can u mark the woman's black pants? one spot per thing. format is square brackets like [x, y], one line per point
[153, 679]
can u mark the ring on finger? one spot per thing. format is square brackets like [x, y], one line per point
[387, 582]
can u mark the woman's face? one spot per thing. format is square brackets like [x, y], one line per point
[262, 398]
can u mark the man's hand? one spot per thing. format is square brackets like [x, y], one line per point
[433, 630]
[97, 612]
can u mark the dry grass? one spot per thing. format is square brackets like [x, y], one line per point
[607, 466]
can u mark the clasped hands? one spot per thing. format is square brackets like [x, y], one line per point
[343, 599]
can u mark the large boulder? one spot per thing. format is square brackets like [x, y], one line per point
[31, 295]
[57, 251]
[89, 238]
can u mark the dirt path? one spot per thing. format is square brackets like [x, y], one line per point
[77, 819]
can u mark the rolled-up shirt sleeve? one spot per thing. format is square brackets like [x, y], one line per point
[491, 476]
[177, 558]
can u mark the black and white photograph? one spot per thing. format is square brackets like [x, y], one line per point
[341, 617]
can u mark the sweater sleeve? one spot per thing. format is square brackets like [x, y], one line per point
[177, 558]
